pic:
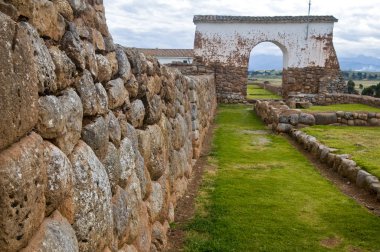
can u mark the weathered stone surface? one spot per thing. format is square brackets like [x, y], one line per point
[153, 110]
[325, 118]
[22, 200]
[55, 234]
[104, 68]
[93, 223]
[64, 68]
[77, 5]
[132, 86]
[155, 201]
[134, 203]
[125, 71]
[94, 97]
[97, 40]
[144, 238]
[136, 113]
[179, 132]
[71, 107]
[10, 10]
[307, 119]
[137, 60]
[283, 127]
[114, 128]
[156, 163]
[113, 62]
[128, 248]
[143, 176]
[51, 119]
[90, 57]
[43, 61]
[127, 160]
[59, 177]
[159, 238]
[18, 76]
[73, 47]
[121, 215]
[43, 15]
[117, 94]
[96, 135]
[64, 8]
[112, 165]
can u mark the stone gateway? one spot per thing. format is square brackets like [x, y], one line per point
[310, 64]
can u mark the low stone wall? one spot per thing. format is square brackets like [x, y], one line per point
[97, 142]
[271, 88]
[337, 98]
[341, 164]
[283, 119]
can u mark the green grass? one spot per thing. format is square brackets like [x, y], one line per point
[256, 92]
[343, 107]
[363, 143]
[266, 196]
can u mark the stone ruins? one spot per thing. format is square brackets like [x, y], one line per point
[98, 141]
[310, 64]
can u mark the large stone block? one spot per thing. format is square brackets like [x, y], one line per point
[45, 66]
[114, 129]
[94, 96]
[59, 177]
[124, 66]
[18, 78]
[22, 200]
[93, 223]
[72, 110]
[127, 160]
[55, 234]
[112, 165]
[73, 47]
[153, 109]
[96, 135]
[325, 118]
[43, 15]
[104, 68]
[117, 94]
[65, 69]
[136, 113]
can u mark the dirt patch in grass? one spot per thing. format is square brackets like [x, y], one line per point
[186, 205]
[331, 242]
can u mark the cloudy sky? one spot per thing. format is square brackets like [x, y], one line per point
[168, 23]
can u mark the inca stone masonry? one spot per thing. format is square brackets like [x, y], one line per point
[97, 141]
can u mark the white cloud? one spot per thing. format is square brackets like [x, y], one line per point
[168, 23]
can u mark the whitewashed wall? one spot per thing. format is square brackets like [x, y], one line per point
[232, 42]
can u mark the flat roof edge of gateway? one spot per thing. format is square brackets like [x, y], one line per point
[263, 19]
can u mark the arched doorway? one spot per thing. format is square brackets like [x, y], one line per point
[266, 63]
[224, 43]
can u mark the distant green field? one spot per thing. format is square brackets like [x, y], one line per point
[365, 83]
[258, 93]
[343, 107]
[271, 80]
[363, 143]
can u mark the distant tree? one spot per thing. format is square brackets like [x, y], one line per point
[351, 87]
[360, 75]
[353, 76]
[370, 91]
[361, 86]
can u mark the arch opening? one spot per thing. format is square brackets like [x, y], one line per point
[267, 60]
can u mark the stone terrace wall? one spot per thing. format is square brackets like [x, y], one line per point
[337, 98]
[97, 141]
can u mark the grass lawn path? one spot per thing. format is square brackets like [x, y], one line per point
[265, 196]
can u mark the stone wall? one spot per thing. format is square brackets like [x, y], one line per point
[336, 98]
[281, 118]
[97, 141]
[313, 80]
